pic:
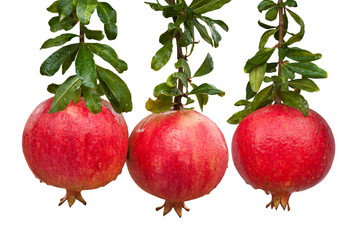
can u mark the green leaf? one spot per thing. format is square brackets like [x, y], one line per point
[203, 6]
[271, 14]
[52, 88]
[160, 105]
[52, 64]
[54, 7]
[239, 116]
[65, 94]
[265, 5]
[77, 95]
[189, 101]
[290, 3]
[86, 67]
[58, 41]
[256, 77]
[249, 93]
[64, 8]
[295, 100]
[164, 89]
[92, 34]
[265, 37]
[85, 9]
[304, 84]
[206, 67]
[220, 23]
[182, 77]
[271, 67]
[109, 55]
[182, 63]
[266, 26]
[242, 103]
[297, 37]
[108, 17]
[301, 55]
[202, 31]
[115, 90]
[55, 24]
[92, 99]
[202, 98]
[209, 89]
[155, 6]
[215, 34]
[259, 59]
[286, 73]
[68, 62]
[307, 69]
[172, 10]
[162, 56]
[264, 95]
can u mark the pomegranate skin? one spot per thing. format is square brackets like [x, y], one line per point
[75, 149]
[280, 151]
[178, 156]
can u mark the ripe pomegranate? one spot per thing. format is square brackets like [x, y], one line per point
[178, 156]
[75, 149]
[279, 150]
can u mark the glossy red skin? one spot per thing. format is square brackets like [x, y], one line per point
[177, 155]
[75, 149]
[279, 150]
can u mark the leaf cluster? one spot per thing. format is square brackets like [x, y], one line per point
[90, 81]
[289, 75]
[187, 20]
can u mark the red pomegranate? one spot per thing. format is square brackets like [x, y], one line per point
[280, 151]
[75, 149]
[178, 156]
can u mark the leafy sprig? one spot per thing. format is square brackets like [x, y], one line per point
[294, 67]
[186, 21]
[90, 81]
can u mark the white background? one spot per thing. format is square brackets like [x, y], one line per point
[233, 210]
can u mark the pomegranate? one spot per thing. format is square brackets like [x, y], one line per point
[178, 156]
[75, 149]
[280, 151]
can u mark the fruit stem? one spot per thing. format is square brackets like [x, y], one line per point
[281, 41]
[168, 206]
[178, 100]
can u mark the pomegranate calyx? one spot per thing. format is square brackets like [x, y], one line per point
[71, 196]
[280, 198]
[178, 207]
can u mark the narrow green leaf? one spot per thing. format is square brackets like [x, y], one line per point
[68, 62]
[307, 69]
[85, 9]
[301, 55]
[52, 64]
[271, 67]
[242, 103]
[182, 63]
[203, 6]
[86, 67]
[92, 34]
[202, 31]
[183, 78]
[52, 88]
[155, 6]
[162, 56]
[256, 77]
[58, 41]
[109, 55]
[172, 81]
[295, 100]
[54, 7]
[304, 84]
[266, 26]
[189, 101]
[265, 5]
[206, 67]
[271, 14]
[92, 99]
[259, 59]
[172, 10]
[160, 105]
[164, 89]
[265, 37]
[297, 37]
[64, 8]
[77, 95]
[209, 89]
[249, 93]
[115, 90]
[65, 94]
[201, 97]
[261, 97]
[220, 23]
[239, 116]
[216, 37]
[286, 73]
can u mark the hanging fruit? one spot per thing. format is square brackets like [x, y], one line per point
[76, 140]
[176, 153]
[285, 147]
